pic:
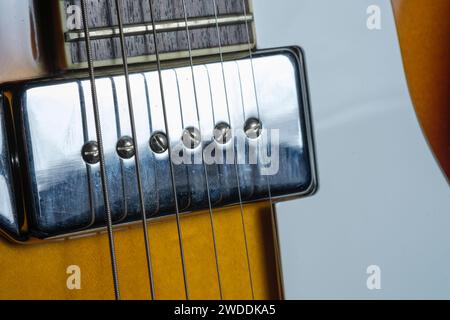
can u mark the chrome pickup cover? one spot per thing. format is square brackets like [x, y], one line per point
[57, 120]
[9, 221]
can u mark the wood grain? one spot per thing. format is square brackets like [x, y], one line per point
[39, 271]
[103, 13]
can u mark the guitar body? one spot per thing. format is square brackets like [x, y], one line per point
[38, 278]
[46, 269]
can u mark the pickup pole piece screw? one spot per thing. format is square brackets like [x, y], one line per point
[90, 153]
[253, 128]
[192, 138]
[125, 148]
[222, 133]
[159, 143]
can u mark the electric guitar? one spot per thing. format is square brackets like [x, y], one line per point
[166, 149]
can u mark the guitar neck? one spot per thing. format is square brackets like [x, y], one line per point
[57, 40]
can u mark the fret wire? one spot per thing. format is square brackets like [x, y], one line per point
[103, 174]
[211, 214]
[171, 166]
[216, 15]
[119, 8]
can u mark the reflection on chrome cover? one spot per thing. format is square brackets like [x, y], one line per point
[65, 182]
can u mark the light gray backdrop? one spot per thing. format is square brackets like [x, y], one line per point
[383, 200]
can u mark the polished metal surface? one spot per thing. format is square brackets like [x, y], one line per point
[159, 143]
[223, 133]
[90, 152]
[253, 128]
[9, 221]
[58, 121]
[192, 138]
[125, 148]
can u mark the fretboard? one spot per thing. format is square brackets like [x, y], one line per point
[233, 20]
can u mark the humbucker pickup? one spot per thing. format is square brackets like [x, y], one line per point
[259, 105]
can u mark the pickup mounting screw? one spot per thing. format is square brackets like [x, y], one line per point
[159, 143]
[91, 153]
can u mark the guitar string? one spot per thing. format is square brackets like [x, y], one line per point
[104, 178]
[211, 214]
[124, 49]
[250, 52]
[216, 15]
[171, 165]
[122, 166]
